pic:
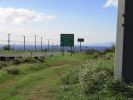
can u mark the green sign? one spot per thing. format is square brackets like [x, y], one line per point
[67, 40]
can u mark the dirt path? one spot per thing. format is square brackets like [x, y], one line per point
[44, 90]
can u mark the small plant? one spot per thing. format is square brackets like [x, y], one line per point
[13, 71]
[71, 77]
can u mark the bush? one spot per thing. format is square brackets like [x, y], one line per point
[120, 88]
[71, 77]
[13, 71]
[29, 60]
[41, 60]
[109, 56]
[91, 51]
[2, 65]
[18, 61]
[7, 47]
[112, 49]
[95, 56]
[92, 80]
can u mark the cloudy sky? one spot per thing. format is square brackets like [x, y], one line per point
[94, 20]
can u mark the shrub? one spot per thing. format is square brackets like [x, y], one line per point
[92, 80]
[29, 60]
[2, 65]
[95, 56]
[112, 49]
[13, 71]
[71, 77]
[120, 88]
[109, 56]
[91, 51]
[7, 47]
[18, 61]
[41, 60]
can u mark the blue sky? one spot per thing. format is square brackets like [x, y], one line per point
[94, 20]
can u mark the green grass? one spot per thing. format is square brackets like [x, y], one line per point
[78, 77]
[95, 82]
[37, 81]
[70, 88]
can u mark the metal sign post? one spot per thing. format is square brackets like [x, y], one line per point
[80, 40]
[124, 45]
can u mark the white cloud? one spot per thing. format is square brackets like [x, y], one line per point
[111, 3]
[20, 16]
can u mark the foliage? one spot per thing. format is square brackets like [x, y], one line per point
[29, 60]
[2, 65]
[92, 79]
[119, 88]
[71, 77]
[13, 71]
[41, 59]
[91, 51]
[18, 61]
[7, 47]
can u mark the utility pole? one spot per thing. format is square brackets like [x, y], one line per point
[9, 41]
[14, 46]
[124, 45]
[41, 43]
[52, 46]
[80, 40]
[80, 46]
[48, 44]
[24, 42]
[35, 42]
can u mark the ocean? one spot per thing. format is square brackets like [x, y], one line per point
[55, 47]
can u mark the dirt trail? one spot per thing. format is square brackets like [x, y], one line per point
[44, 89]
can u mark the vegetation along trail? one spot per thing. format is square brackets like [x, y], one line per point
[82, 76]
[36, 81]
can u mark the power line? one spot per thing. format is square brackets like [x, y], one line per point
[48, 44]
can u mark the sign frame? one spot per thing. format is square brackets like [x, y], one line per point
[67, 40]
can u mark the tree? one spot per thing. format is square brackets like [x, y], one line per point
[7, 47]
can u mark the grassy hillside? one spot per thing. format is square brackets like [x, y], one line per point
[83, 76]
[36, 81]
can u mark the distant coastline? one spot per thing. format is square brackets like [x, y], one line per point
[55, 47]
